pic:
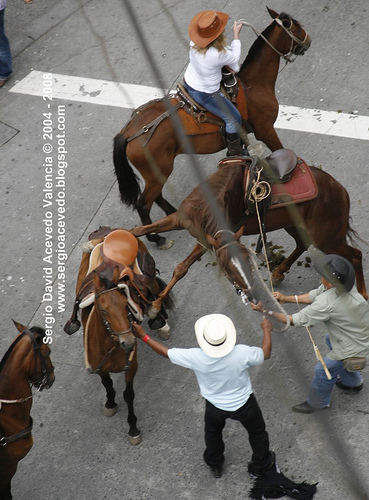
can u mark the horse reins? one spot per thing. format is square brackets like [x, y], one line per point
[301, 44]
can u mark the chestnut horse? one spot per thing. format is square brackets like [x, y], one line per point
[26, 362]
[109, 342]
[154, 157]
[322, 221]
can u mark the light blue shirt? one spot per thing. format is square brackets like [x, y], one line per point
[224, 382]
[346, 317]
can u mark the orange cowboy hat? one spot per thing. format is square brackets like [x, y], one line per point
[206, 26]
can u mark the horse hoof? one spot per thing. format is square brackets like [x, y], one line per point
[110, 412]
[135, 440]
[166, 245]
[164, 332]
[152, 312]
[277, 280]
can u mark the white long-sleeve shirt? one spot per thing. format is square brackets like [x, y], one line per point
[204, 72]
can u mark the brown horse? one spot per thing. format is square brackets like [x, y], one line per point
[116, 297]
[26, 362]
[154, 157]
[322, 221]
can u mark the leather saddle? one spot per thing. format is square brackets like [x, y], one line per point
[138, 275]
[229, 87]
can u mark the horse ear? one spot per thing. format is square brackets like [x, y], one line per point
[116, 275]
[239, 233]
[19, 326]
[273, 13]
[97, 282]
[210, 240]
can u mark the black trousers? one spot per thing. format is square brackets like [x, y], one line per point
[251, 418]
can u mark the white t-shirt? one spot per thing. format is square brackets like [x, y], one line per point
[224, 382]
[204, 72]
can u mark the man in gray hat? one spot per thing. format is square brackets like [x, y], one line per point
[345, 313]
[221, 369]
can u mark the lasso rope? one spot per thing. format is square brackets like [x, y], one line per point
[259, 191]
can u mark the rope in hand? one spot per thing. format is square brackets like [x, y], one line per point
[316, 349]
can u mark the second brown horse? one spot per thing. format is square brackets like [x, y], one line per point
[322, 221]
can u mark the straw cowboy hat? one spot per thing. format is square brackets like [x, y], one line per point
[121, 246]
[206, 26]
[337, 270]
[215, 334]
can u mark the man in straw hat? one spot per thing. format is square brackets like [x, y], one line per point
[345, 313]
[221, 369]
[209, 52]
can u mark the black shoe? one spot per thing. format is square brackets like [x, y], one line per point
[254, 473]
[349, 388]
[217, 472]
[306, 408]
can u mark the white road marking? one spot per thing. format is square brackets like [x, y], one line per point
[124, 95]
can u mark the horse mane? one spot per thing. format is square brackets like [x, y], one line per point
[35, 329]
[225, 184]
[255, 47]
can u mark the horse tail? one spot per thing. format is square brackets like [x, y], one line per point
[351, 234]
[129, 187]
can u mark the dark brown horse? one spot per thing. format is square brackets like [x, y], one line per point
[322, 221]
[257, 103]
[26, 363]
[117, 296]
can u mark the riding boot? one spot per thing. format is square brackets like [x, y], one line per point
[234, 144]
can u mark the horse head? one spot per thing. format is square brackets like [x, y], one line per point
[116, 308]
[41, 370]
[300, 39]
[233, 258]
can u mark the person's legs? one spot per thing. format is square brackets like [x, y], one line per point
[321, 387]
[252, 419]
[348, 379]
[214, 424]
[218, 104]
[5, 55]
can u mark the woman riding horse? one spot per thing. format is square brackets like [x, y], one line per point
[208, 54]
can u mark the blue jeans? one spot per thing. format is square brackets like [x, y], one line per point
[251, 418]
[5, 55]
[321, 387]
[218, 104]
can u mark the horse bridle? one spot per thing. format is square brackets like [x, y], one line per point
[241, 291]
[113, 334]
[300, 47]
[41, 382]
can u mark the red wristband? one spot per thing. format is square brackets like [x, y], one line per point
[146, 338]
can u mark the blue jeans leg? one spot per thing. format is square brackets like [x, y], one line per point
[5, 55]
[321, 388]
[218, 104]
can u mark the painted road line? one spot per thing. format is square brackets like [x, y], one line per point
[88, 90]
[124, 95]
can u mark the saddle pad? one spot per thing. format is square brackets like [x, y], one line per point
[301, 187]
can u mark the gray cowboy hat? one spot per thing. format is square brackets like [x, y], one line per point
[337, 270]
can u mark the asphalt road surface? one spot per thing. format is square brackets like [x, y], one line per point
[78, 453]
